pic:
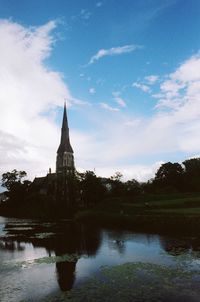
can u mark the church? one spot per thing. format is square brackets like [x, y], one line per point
[65, 153]
[56, 184]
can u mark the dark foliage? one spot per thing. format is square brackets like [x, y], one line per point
[91, 188]
[73, 192]
[169, 176]
[192, 174]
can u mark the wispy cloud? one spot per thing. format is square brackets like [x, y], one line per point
[151, 79]
[143, 87]
[113, 51]
[120, 102]
[108, 107]
[78, 102]
[92, 90]
[85, 14]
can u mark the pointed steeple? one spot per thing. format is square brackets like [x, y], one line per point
[65, 158]
[65, 121]
[64, 141]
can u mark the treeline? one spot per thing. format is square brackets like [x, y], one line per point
[169, 178]
[175, 177]
[85, 190]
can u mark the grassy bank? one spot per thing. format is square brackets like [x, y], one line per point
[148, 213]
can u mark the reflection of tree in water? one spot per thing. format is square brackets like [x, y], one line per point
[117, 241]
[11, 246]
[118, 245]
[179, 246]
[66, 238]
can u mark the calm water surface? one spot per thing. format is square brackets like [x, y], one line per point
[40, 259]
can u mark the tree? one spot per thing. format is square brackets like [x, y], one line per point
[17, 189]
[192, 174]
[133, 187]
[91, 188]
[169, 174]
[117, 176]
[117, 186]
[10, 179]
[192, 167]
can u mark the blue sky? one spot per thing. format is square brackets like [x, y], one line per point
[129, 71]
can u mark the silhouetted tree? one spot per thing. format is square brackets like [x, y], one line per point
[10, 179]
[192, 174]
[117, 176]
[169, 175]
[117, 186]
[192, 167]
[17, 191]
[91, 188]
[133, 187]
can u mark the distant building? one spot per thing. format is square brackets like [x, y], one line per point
[55, 184]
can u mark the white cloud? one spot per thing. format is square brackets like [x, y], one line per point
[139, 172]
[168, 103]
[27, 90]
[108, 107]
[113, 51]
[189, 71]
[182, 87]
[171, 88]
[143, 87]
[118, 99]
[120, 102]
[151, 79]
[92, 90]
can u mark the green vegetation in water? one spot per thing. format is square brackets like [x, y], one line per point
[57, 259]
[137, 282]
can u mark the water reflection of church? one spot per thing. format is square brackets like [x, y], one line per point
[70, 241]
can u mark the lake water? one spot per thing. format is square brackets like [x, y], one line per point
[39, 260]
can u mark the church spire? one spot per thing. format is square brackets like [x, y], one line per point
[65, 121]
[65, 159]
[64, 141]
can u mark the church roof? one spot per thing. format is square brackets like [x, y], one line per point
[44, 181]
[38, 181]
[64, 141]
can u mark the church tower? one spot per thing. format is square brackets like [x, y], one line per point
[65, 157]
